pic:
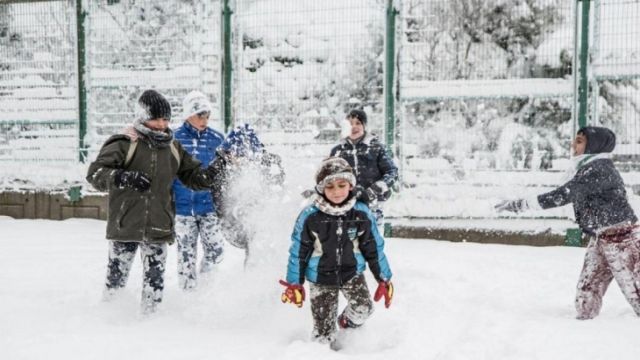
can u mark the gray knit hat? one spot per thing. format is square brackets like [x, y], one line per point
[331, 169]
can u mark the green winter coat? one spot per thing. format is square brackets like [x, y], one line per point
[148, 216]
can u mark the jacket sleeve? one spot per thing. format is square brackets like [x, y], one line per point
[300, 250]
[218, 183]
[387, 167]
[372, 248]
[111, 157]
[586, 182]
[190, 172]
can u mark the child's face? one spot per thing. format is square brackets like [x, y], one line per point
[579, 145]
[159, 124]
[357, 129]
[337, 191]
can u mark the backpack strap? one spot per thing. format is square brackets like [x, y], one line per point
[134, 144]
[174, 151]
[132, 150]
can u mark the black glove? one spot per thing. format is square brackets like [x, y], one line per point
[135, 180]
[514, 206]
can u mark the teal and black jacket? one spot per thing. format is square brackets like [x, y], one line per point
[331, 249]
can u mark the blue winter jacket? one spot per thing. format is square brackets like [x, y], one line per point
[332, 249]
[201, 145]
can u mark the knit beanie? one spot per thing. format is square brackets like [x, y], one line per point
[152, 105]
[195, 103]
[358, 114]
[331, 169]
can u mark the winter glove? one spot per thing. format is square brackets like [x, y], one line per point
[514, 206]
[365, 195]
[381, 190]
[308, 193]
[294, 293]
[135, 180]
[385, 288]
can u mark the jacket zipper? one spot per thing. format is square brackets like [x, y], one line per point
[339, 251]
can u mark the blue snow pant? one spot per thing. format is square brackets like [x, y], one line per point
[188, 229]
[154, 258]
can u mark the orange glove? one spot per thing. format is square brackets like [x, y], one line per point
[385, 288]
[294, 293]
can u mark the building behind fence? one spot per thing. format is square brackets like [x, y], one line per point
[459, 90]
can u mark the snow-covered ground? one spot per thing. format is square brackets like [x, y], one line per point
[453, 301]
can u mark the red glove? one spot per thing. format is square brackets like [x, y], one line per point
[294, 293]
[385, 288]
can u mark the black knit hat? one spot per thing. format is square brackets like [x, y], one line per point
[358, 114]
[153, 105]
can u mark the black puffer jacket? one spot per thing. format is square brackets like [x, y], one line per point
[597, 190]
[369, 160]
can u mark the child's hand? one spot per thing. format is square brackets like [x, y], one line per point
[514, 206]
[385, 288]
[294, 293]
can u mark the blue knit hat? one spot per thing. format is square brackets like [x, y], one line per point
[242, 141]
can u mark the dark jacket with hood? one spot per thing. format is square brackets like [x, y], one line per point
[369, 160]
[597, 190]
[144, 216]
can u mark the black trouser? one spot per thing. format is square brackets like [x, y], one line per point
[154, 257]
[324, 306]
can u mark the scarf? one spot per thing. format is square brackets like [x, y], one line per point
[580, 161]
[157, 139]
[336, 210]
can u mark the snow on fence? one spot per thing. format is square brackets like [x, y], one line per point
[484, 91]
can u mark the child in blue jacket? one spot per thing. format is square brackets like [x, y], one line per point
[332, 241]
[196, 216]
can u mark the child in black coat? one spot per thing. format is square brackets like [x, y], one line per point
[604, 215]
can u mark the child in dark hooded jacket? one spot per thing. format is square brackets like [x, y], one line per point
[604, 215]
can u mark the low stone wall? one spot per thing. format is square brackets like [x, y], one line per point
[59, 206]
[52, 205]
[478, 235]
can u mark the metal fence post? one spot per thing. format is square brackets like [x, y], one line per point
[389, 76]
[82, 91]
[227, 66]
[583, 89]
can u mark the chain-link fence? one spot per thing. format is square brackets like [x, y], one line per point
[302, 64]
[173, 47]
[615, 81]
[38, 82]
[484, 91]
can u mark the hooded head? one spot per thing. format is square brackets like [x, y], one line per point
[152, 105]
[331, 169]
[195, 103]
[242, 141]
[599, 139]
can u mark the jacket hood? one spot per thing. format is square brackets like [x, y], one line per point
[599, 139]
